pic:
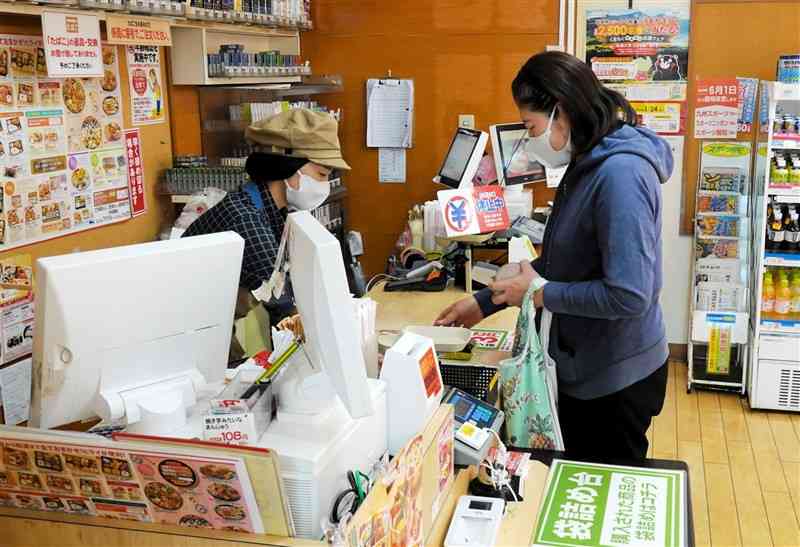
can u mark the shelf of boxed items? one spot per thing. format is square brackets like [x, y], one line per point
[337, 194]
[192, 47]
[176, 13]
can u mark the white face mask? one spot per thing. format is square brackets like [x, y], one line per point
[309, 195]
[541, 149]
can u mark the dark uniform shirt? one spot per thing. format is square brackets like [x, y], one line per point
[260, 229]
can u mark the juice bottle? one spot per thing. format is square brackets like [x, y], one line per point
[768, 293]
[783, 296]
[795, 286]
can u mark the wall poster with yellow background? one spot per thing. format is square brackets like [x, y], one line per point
[63, 166]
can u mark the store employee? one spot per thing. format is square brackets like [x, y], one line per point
[301, 149]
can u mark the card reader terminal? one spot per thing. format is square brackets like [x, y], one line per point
[471, 417]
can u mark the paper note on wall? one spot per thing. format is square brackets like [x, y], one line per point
[15, 383]
[390, 113]
[392, 165]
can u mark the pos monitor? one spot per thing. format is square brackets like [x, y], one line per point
[511, 161]
[462, 159]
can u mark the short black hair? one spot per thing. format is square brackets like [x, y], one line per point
[263, 167]
[557, 78]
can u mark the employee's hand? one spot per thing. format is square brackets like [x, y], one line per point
[294, 324]
[464, 313]
[512, 291]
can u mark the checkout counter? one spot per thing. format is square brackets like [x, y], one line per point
[20, 528]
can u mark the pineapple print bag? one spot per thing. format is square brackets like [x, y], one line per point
[528, 384]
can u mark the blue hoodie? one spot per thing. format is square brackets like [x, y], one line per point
[602, 257]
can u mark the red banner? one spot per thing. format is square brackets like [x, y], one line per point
[135, 172]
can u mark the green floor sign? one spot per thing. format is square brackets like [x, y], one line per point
[603, 505]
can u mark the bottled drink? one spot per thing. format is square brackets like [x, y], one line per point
[776, 232]
[795, 287]
[768, 293]
[791, 238]
[783, 296]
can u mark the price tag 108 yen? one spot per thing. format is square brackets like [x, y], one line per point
[230, 428]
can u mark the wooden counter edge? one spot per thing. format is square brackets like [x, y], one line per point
[150, 528]
[519, 523]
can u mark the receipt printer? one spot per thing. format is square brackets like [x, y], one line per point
[472, 418]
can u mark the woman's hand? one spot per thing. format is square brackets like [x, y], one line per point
[466, 312]
[512, 291]
[294, 324]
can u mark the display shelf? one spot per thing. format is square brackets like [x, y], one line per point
[784, 260]
[780, 326]
[175, 20]
[336, 195]
[191, 46]
[786, 142]
[248, 80]
[789, 191]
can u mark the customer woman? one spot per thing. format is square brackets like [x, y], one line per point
[601, 258]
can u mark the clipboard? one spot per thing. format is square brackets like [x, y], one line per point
[390, 112]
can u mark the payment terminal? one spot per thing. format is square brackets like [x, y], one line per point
[472, 416]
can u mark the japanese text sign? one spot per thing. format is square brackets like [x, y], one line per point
[717, 114]
[471, 211]
[72, 44]
[135, 172]
[592, 504]
[138, 31]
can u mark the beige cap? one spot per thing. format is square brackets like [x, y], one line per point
[300, 133]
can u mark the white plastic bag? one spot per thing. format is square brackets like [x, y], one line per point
[199, 203]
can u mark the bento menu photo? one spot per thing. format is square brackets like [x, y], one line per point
[211, 493]
[63, 166]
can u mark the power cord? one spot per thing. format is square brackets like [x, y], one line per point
[497, 470]
[348, 501]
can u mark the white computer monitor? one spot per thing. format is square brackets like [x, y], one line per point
[462, 159]
[133, 333]
[511, 161]
[331, 418]
[332, 330]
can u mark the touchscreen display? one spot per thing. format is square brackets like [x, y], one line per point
[470, 409]
[457, 159]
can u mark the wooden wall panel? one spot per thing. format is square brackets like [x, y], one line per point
[186, 128]
[156, 156]
[734, 38]
[462, 56]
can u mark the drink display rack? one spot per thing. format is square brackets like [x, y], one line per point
[774, 379]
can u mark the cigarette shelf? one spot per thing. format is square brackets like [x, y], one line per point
[272, 28]
[336, 195]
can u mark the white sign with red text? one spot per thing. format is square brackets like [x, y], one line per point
[72, 44]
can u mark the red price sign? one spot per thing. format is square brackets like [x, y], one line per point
[488, 339]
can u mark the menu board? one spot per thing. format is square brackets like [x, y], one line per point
[63, 166]
[122, 484]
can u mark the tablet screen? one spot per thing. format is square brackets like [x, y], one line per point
[457, 159]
